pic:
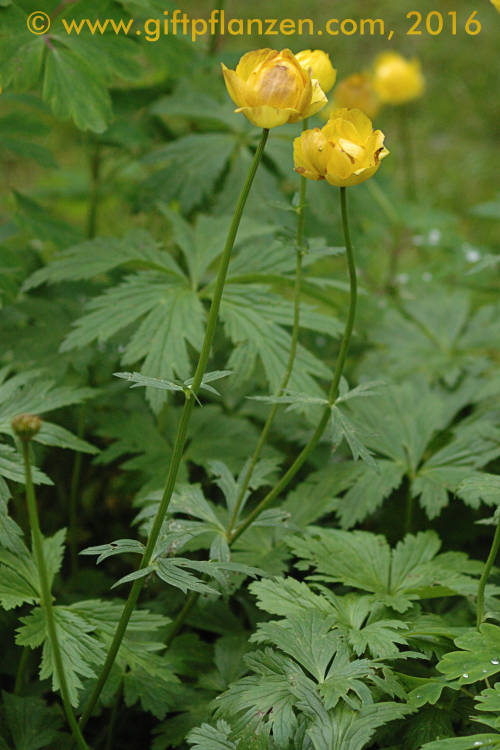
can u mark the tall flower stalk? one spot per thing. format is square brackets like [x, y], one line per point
[299, 249]
[26, 426]
[317, 156]
[178, 449]
[267, 98]
[232, 535]
[484, 575]
[333, 392]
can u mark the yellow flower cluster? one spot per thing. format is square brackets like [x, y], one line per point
[272, 87]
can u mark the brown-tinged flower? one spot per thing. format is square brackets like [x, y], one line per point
[271, 88]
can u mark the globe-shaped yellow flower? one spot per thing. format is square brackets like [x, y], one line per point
[345, 152]
[496, 3]
[355, 92]
[318, 62]
[396, 79]
[271, 88]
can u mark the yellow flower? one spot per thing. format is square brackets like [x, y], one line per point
[271, 88]
[345, 152]
[396, 79]
[355, 92]
[496, 3]
[318, 62]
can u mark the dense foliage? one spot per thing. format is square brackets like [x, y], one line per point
[346, 615]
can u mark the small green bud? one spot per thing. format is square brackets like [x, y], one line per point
[26, 426]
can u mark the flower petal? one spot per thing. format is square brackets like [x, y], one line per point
[235, 85]
[253, 60]
[266, 116]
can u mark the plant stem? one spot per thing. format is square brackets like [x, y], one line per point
[73, 496]
[21, 669]
[46, 597]
[484, 576]
[410, 503]
[180, 440]
[307, 450]
[113, 718]
[214, 39]
[291, 357]
[95, 179]
[181, 617]
[339, 368]
[193, 596]
[407, 149]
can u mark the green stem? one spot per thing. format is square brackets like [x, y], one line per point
[21, 669]
[73, 497]
[214, 39]
[484, 576]
[407, 149]
[46, 597]
[95, 180]
[181, 617]
[410, 503]
[113, 718]
[339, 368]
[180, 440]
[291, 358]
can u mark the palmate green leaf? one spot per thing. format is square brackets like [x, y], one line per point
[399, 424]
[264, 701]
[435, 335]
[482, 486]
[413, 570]
[31, 723]
[36, 220]
[253, 320]
[81, 651]
[478, 659]
[15, 130]
[310, 640]
[27, 393]
[345, 729]
[171, 317]
[196, 105]
[489, 700]
[484, 741]
[307, 637]
[97, 256]
[154, 685]
[204, 241]
[74, 91]
[12, 467]
[474, 444]
[188, 168]
[75, 70]
[85, 630]
[206, 737]
[21, 54]
[352, 616]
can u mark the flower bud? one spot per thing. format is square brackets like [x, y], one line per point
[318, 62]
[345, 152]
[26, 426]
[396, 79]
[271, 88]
